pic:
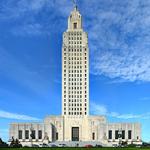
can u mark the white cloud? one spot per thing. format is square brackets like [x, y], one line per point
[98, 109]
[119, 31]
[34, 17]
[101, 109]
[9, 115]
[130, 67]
[119, 39]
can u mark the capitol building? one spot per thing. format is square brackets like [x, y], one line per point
[75, 123]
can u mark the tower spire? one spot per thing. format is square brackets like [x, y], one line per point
[75, 4]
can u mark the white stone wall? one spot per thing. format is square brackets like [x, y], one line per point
[54, 124]
[87, 126]
[134, 127]
[15, 127]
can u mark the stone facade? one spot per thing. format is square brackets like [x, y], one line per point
[75, 68]
[75, 123]
[91, 128]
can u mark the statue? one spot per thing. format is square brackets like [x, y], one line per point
[46, 138]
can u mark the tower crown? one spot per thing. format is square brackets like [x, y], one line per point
[75, 20]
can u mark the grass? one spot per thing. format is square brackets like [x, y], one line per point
[75, 148]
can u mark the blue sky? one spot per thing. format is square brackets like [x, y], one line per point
[30, 59]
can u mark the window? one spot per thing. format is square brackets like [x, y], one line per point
[123, 134]
[20, 134]
[75, 25]
[116, 134]
[33, 134]
[56, 135]
[110, 134]
[129, 134]
[40, 134]
[93, 136]
[27, 134]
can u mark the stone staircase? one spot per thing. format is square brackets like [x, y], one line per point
[78, 143]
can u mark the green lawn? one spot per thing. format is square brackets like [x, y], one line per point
[75, 148]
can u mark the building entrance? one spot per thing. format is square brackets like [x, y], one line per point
[75, 133]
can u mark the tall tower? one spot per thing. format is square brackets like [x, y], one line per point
[75, 68]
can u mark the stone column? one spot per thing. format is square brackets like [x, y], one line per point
[23, 132]
[36, 132]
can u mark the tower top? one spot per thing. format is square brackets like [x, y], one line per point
[75, 19]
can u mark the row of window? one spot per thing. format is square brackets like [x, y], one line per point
[77, 77]
[75, 67]
[75, 50]
[74, 58]
[74, 42]
[74, 108]
[75, 38]
[74, 83]
[74, 54]
[119, 134]
[78, 100]
[75, 71]
[73, 47]
[71, 80]
[71, 104]
[73, 92]
[74, 79]
[76, 113]
[74, 33]
[77, 87]
[80, 75]
[75, 100]
[32, 135]
[74, 96]
[75, 62]
[80, 88]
